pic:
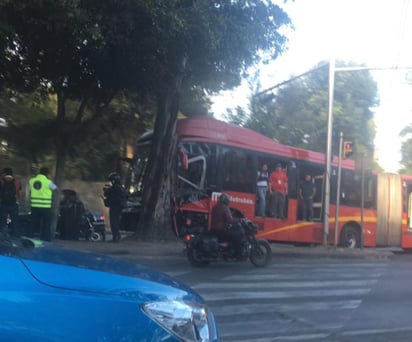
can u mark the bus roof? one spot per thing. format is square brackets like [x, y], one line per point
[207, 129]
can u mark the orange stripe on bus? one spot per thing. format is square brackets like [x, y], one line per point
[370, 219]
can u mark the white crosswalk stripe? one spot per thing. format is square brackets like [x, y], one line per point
[290, 301]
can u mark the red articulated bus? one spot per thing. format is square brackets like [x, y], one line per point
[215, 157]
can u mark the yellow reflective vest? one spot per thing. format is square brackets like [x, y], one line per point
[40, 192]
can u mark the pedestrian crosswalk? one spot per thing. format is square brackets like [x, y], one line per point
[291, 300]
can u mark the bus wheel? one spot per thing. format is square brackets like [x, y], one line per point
[350, 237]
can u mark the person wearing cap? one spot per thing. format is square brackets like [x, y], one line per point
[41, 195]
[278, 189]
[10, 189]
[115, 197]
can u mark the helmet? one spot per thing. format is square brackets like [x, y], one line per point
[224, 198]
[113, 177]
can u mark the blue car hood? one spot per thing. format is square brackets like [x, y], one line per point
[61, 267]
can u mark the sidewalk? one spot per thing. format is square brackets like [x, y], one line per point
[175, 249]
[130, 248]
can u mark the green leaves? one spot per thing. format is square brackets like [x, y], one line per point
[297, 114]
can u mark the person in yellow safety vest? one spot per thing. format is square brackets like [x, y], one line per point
[41, 194]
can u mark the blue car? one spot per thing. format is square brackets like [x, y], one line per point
[52, 293]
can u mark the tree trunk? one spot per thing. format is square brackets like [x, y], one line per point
[58, 180]
[61, 153]
[155, 220]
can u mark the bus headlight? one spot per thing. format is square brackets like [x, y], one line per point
[190, 322]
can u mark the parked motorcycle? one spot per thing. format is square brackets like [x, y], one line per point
[204, 247]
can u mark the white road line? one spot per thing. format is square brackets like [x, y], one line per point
[237, 329]
[302, 276]
[256, 309]
[250, 295]
[286, 284]
[375, 331]
[177, 273]
[313, 266]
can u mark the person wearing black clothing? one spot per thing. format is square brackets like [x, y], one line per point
[115, 199]
[307, 191]
[72, 213]
[10, 188]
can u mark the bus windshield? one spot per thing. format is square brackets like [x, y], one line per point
[136, 171]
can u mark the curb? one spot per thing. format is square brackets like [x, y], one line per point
[175, 249]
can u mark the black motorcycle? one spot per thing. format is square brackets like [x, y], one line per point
[204, 247]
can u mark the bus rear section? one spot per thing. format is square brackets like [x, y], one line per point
[394, 208]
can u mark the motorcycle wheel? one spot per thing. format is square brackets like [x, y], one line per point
[95, 236]
[195, 260]
[261, 253]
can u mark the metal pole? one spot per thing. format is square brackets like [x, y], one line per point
[338, 189]
[328, 153]
[362, 198]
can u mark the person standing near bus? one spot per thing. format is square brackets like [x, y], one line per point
[41, 195]
[262, 189]
[307, 191]
[278, 190]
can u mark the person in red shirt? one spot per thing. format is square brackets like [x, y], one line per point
[221, 221]
[278, 181]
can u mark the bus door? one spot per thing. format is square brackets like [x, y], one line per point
[318, 199]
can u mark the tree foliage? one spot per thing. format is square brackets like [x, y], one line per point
[406, 150]
[296, 114]
[90, 52]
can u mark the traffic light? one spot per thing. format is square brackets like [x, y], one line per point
[347, 149]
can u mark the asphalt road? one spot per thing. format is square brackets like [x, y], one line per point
[301, 299]
[305, 299]
[305, 294]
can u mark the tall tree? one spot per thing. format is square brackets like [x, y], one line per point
[296, 114]
[406, 150]
[207, 44]
[81, 52]
[87, 51]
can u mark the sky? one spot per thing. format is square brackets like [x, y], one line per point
[377, 33]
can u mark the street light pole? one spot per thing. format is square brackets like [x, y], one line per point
[328, 154]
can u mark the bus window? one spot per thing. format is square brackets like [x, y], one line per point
[409, 210]
[370, 191]
[238, 171]
[351, 189]
[407, 190]
[193, 175]
[292, 177]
